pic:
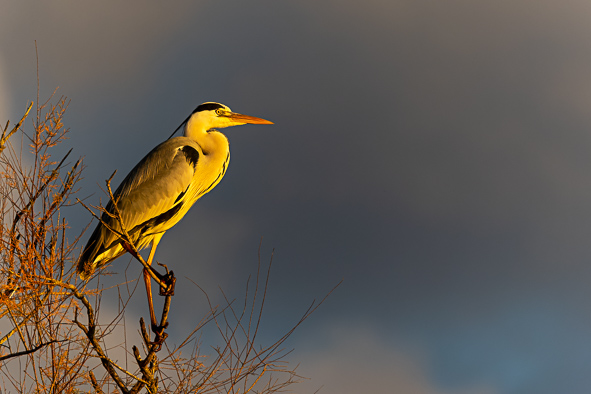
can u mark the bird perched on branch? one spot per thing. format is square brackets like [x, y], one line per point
[164, 185]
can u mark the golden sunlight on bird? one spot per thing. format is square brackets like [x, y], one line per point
[163, 186]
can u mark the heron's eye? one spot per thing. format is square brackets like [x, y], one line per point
[219, 111]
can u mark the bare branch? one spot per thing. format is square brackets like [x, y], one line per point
[25, 352]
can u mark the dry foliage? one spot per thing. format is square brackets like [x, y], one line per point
[53, 338]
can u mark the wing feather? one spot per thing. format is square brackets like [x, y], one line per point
[149, 194]
[155, 184]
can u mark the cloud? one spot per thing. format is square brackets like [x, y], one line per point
[435, 108]
[92, 43]
[355, 359]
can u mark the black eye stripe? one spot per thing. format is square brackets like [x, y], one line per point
[207, 107]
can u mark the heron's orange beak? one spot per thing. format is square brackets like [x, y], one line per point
[247, 119]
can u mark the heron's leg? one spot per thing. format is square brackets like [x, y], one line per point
[148, 281]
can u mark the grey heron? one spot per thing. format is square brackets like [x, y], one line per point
[164, 185]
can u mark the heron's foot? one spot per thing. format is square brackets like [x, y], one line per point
[169, 280]
[160, 336]
[159, 329]
[162, 265]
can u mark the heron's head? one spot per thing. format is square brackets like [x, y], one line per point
[212, 115]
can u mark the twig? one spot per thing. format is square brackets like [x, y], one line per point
[95, 384]
[5, 136]
[33, 350]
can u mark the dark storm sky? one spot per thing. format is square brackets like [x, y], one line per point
[433, 154]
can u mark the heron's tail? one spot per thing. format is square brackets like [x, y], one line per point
[84, 274]
[99, 251]
[88, 261]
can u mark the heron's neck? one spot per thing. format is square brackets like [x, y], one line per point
[195, 131]
[211, 142]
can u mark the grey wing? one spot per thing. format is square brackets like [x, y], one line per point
[149, 194]
[158, 183]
